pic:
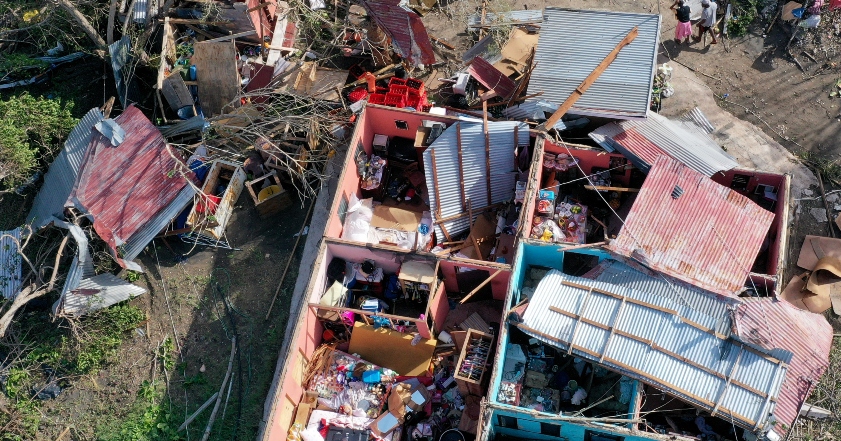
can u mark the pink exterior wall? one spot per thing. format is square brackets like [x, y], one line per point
[499, 284]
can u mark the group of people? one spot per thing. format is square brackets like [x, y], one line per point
[684, 25]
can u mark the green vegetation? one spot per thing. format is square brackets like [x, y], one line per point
[150, 419]
[746, 14]
[57, 353]
[30, 129]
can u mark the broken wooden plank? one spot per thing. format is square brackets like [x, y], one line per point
[217, 75]
[480, 286]
[603, 188]
[594, 75]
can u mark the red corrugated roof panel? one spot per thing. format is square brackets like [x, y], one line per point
[773, 324]
[405, 29]
[708, 236]
[492, 78]
[123, 187]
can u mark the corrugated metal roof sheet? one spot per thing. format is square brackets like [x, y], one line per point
[581, 39]
[10, 263]
[406, 29]
[696, 118]
[537, 110]
[447, 172]
[634, 276]
[645, 140]
[774, 325]
[490, 77]
[652, 339]
[525, 16]
[99, 292]
[124, 188]
[58, 183]
[135, 245]
[709, 236]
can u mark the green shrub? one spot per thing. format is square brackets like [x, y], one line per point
[31, 129]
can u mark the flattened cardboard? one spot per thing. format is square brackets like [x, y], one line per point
[816, 247]
[794, 293]
[404, 397]
[516, 52]
[483, 231]
[395, 218]
[400, 355]
[825, 281]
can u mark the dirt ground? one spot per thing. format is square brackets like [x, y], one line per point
[186, 303]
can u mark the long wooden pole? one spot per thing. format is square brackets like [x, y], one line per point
[594, 75]
[221, 390]
[289, 261]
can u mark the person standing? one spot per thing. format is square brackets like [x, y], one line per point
[707, 22]
[684, 27]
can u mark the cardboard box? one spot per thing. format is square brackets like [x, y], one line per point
[396, 218]
[403, 398]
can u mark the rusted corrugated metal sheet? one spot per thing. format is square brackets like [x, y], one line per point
[492, 78]
[643, 141]
[774, 325]
[653, 339]
[126, 186]
[405, 28]
[708, 235]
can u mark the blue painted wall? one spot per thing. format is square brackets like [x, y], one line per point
[529, 427]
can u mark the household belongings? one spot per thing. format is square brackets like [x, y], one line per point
[561, 222]
[403, 399]
[370, 169]
[351, 385]
[368, 221]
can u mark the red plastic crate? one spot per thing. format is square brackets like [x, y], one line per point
[394, 81]
[376, 98]
[382, 90]
[416, 84]
[357, 94]
[399, 90]
[395, 100]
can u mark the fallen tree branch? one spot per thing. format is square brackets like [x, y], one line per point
[84, 23]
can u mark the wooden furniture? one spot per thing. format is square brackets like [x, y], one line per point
[271, 199]
[416, 279]
[474, 361]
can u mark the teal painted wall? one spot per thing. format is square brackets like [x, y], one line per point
[529, 427]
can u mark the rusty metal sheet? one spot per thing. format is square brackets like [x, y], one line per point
[492, 78]
[405, 29]
[708, 236]
[777, 325]
[123, 187]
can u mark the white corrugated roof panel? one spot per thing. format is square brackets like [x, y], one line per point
[573, 42]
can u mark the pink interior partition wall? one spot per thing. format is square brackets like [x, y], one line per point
[499, 284]
[439, 308]
[374, 120]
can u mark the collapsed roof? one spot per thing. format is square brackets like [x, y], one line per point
[687, 226]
